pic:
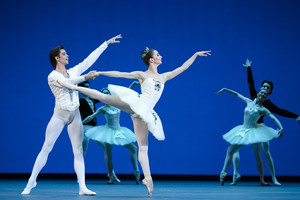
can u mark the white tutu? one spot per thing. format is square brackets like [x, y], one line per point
[242, 136]
[140, 108]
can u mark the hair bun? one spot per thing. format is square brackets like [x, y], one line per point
[145, 51]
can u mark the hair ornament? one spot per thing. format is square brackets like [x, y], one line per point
[146, 50]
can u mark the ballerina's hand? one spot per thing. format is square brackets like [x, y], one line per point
[203, 53]
[114, 39]
[220, 91]
[91, 75]
[280, 132]
[97, 74]
[66, 85]
[248, 63]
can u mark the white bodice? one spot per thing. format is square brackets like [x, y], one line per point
[251, 115]
[151, 91]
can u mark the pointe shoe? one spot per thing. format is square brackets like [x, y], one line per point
[235, 179]
[136, 174]
[264, 183]
[86, 192]
[275, 182]
[113, 178]
[149, 184]
[27, 190]
[222, 177]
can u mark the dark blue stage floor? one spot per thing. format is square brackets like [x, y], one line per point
[65, 189]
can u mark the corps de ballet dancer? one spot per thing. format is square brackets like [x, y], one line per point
[250, 132]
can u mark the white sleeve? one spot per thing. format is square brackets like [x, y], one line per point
[89, 61]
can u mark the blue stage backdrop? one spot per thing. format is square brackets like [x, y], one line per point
[193, 117]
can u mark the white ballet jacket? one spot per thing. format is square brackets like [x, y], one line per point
[66, 99]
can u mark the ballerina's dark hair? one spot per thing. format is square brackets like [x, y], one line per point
[146, 55]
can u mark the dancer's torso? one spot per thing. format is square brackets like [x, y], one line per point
[151, 91]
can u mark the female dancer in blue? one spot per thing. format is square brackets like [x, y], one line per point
[113, 134]
[250, 132]
[140, 106]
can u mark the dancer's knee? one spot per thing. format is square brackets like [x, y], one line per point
[133, 149]
[143, 152]
[47, 148]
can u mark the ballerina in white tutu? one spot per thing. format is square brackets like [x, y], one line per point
[113, 134]
[140, 106]
[250, 132]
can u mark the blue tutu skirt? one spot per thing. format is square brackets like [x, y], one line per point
[240, 135]
[140, 108]
[114, 136]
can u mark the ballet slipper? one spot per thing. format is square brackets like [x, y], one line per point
[136, 174]
[235, 179]
[222, 177]
[28, 189]
[149, 184]
[86, 192]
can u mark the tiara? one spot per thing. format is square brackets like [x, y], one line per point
[146, 50]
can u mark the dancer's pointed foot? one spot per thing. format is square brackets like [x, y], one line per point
[235, 179]
[66, 85]
[136, 174]
[276, 183]
[222, 177]
[113, 178]
[149, 184]
[86, 192]
[263, 183]
[28, 188]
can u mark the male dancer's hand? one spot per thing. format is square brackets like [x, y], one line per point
[114, 40]
[203, 53]
[298, 119]
[248, 63]
[91, 75]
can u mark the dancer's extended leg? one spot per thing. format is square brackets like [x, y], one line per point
[95, 94]
[259, 163]
[53, 130]
[75, 131]
[270, 163]
[141, 133]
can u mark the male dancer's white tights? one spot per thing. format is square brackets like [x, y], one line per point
[59, 119]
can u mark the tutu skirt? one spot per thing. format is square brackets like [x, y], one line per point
[240, 135]
[114, 136]
[140, 108]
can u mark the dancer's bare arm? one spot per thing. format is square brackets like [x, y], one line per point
[172, 74]
[92, 116]
[244, 99]
[130, 75]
